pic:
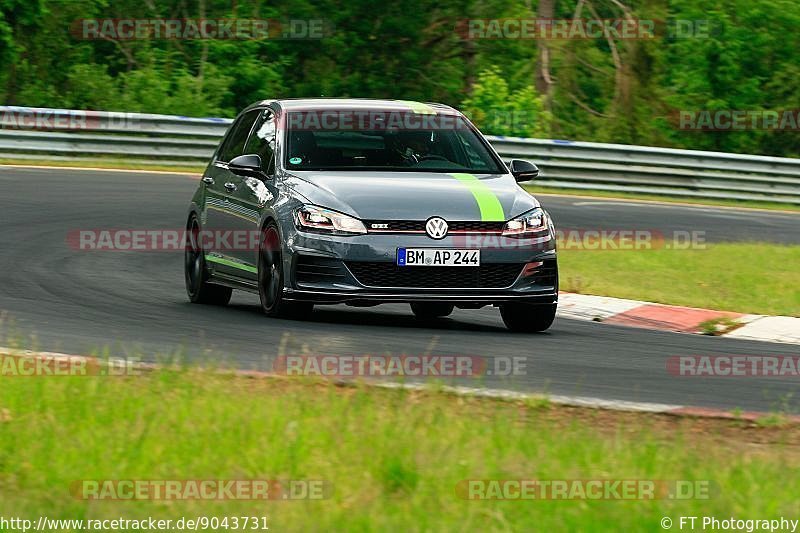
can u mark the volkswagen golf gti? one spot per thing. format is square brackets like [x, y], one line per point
[362, 202]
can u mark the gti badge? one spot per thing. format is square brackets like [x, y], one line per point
[436, 228]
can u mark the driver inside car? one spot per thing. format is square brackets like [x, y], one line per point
[414, 147]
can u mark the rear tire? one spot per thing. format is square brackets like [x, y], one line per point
[195, 271]
[528, 318]
[431, 310]
[270, 279]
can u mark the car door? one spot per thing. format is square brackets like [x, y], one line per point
[221, 184]
[253, 194]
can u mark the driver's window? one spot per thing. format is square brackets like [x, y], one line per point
[234, 144]
[262, 141]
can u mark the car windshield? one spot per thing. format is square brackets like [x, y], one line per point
[385, 142]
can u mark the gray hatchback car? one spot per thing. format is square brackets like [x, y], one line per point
[362, 202]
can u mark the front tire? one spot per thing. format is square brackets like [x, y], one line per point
[270, 279]
[431, 310]
[195, 271]
[528, 318]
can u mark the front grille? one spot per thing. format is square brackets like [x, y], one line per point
[479, 227]
[396, 225]
[315, 269]
[419, 226]
[497, 275]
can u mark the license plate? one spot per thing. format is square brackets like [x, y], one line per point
[438, 257]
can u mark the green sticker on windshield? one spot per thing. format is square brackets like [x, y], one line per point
[296, 160]
[491, 209]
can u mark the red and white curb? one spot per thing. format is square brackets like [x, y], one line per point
[783, 329]
[495, 394]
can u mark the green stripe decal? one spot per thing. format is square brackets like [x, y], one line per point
[234, 264]
[491, 209]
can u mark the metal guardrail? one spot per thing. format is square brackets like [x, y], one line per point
[39, 133]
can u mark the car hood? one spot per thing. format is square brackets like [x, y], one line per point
[414, 195]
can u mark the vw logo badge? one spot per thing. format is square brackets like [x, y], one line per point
[436, 228]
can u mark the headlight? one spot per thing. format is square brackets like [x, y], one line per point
[526, 225]
[313, 218]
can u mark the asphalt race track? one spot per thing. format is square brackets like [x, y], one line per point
[61, 299]
[716, 225]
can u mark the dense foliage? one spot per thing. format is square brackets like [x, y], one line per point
[609, 90]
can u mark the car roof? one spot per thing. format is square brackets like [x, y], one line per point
[362, 104]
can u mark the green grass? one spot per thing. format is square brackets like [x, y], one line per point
[751, 204]
[718, 326]
[392, 457]
[743, 277]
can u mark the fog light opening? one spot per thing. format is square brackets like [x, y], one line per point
[531, 268]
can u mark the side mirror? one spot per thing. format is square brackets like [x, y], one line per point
[247, 165]
[523, 170]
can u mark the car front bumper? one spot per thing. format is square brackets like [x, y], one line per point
[322, 268]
